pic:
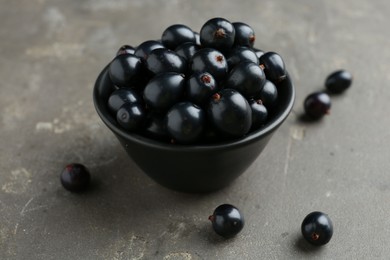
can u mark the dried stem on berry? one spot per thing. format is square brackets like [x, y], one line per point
[315, 236]
[216, 96]
[206, 78]
[252, 39]
[220, 33]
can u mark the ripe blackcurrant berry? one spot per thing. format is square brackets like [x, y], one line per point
[259, 113]
[269, 94]
[125, 49]
[217, 33]
[227, 220]
[177, 34]
[230, 113]
[131, 116]
[165, 60]
[75, 177]
[121, 96]
[258, 52]
[144, 49]
[126, 70]
[185, 122]
[155, 126]
[212, 61]
[317, 228]
[200, 86]
[274, 67]
[164, 90]
[187, 50]
[338, 81]
[240, 54]
[247, 78]
[317, 104]
[245, 35]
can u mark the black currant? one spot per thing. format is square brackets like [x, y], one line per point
[245, 35]
[200, 86]
[258, 52]
[131, 116]
[259, 113]
[269, 94]
[164, 90]
[121, 96]
[187, 50]
[338, 81]
[185, 122]
[239, 54]
[155, 126]
[217, 33]
[210, 60]
[197, 38]
[317, 104]
[230, 113]
[75, 177]
[125, 49]
[317, 228]
[126, 70]
[177, 34]
[247, 78]
[145, 48]
[227, 221]
[274, 67]
[165, 60]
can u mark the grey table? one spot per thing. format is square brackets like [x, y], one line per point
[50, 55]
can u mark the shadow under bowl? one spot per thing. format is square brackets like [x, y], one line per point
[193, 168]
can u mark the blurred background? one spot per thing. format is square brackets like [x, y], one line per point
[51, 52]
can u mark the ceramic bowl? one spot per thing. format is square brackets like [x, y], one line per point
[193, 168]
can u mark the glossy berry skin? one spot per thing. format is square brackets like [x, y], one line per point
[247, 78]
[240, 54]
[200, 86]
[258, 52]
[217, 33]
[197, 38]
[187, 50]
[269, 94]
[155, 126]
[338, 81]
[125, 49]
[212, 61]
[317, 228]
[185, 122]
[317, 104]
[164, 90]
[145, 48]
[164, 60]
[227, 221]
[121, 96]
[245, 35]
[274, 67]
[259, 113]
[131, 116]
[230, 113]
[177, 34]
[75, 177]
[126, 70]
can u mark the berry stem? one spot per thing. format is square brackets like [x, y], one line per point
[220, 33]
[315, 236]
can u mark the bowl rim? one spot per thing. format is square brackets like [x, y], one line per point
[145, 141]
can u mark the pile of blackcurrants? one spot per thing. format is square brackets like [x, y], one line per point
[194, 87]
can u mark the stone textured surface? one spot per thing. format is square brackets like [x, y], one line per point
[50, 55]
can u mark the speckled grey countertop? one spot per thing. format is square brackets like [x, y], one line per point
[50, 55]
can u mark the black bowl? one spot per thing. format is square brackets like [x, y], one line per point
[193, 168]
